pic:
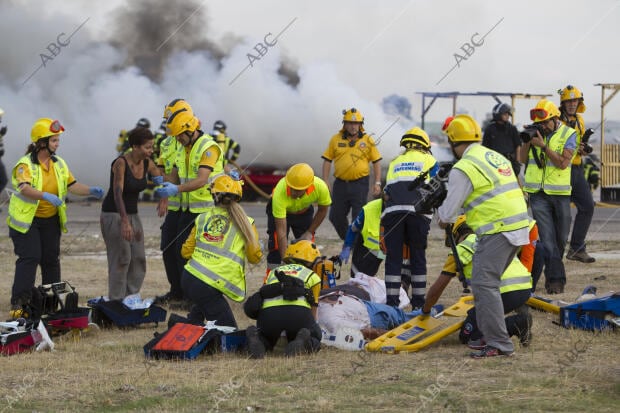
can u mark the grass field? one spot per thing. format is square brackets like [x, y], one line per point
[563, 370]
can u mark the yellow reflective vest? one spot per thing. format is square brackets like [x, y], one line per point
[198, 200]
[578, 124]
[309, 277]
[515, 278]
[22, 209]
[219, 255]
[168, 149]
[496, 203]
[550, 179]
[372, 225]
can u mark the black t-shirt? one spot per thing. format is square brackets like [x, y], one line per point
[502, 138]
[131, 190]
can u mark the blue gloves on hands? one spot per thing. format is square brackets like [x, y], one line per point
[52, 199]
[168, 189]
[158, 180]
[96, 191]
[344, 254]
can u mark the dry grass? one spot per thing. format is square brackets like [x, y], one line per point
[563, 370]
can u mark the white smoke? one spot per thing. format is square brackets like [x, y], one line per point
[94, 92]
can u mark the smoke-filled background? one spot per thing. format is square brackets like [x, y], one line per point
[127, 59]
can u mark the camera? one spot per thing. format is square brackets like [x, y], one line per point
[431, 194]
[587, 148]
[529, 131]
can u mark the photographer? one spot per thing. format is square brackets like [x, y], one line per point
[401, 223]
[485, 186]
[502, 136]
[547, 180]
[571, 105]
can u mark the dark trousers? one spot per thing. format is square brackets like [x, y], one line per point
[405, 229]
[347, 196]
[581, 196]
[289, 318]
[175, 230]
[39, 246]
[169, 252]
[514, 323]
[208, 303]
[3, 177]
[298, 223]
[362, 260]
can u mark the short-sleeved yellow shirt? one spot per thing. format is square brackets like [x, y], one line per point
[351, 162]
[50, 184]
[282, 202]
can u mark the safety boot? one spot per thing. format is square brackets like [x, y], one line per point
[256, 347]
[300, 345]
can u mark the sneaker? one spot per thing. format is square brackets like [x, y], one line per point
[476, 344]
[580, 255]
[300, 345]
[256, 347]
[489, 351]
[166, 298]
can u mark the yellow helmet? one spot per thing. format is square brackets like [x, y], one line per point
[352, 115]
[459, 228]
[544, 110]
[463, 128]
[225, 185]
[415, 136]
[571, 92]
[299, 176]
[176, 105]
[303, 252]
[44, 128]
[181, 121]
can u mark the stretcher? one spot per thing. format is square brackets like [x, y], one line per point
[422, 331]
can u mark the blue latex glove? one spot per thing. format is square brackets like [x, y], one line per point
[96, 191]
[344, 254]
[158, 180]
[414, 313]
[168, 189]
[52, 199]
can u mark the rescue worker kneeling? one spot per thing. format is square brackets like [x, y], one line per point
[515, 288]
[222, 238]
[287, 302]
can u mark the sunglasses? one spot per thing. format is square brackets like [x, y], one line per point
[56, 127]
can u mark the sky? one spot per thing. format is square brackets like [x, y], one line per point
[100, 66]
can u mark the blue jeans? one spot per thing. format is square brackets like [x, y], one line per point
[552, 214]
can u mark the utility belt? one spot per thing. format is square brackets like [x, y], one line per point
[352, 181]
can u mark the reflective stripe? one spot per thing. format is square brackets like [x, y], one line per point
[216, 278]
[393, 278]
[207, 204]
[25, 199]
[20, 224]
[516, 280]
[398, 208]
[506, 221]
[558, 187]
[393, 291]
[400, 179]
[221, 252]
[420, 278]
[173, 203]
[418, 291]
[499, 189]
[299, 301]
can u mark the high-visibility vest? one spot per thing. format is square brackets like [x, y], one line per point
[168, 149]
[198, 200]
[551, 179]
[219, 255]
[496, 203]
[309, 278]
[22, 209]
[403, 170]
[372, 225]
[515, 278]
[579, 125]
